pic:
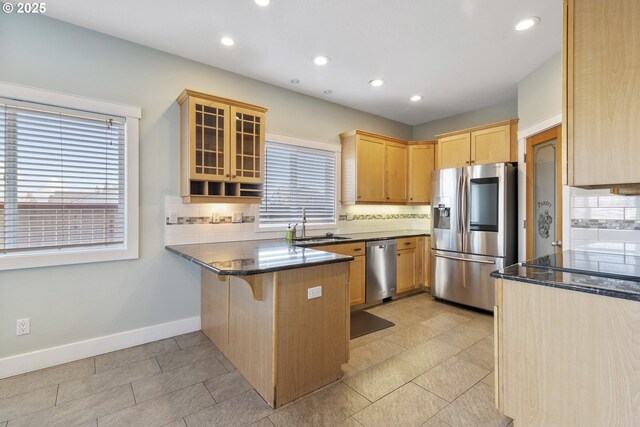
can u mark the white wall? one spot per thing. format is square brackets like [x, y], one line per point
[540, 93]
[492, 113]
[72, 303]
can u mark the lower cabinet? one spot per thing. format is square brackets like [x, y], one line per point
[565, 357]
[357, 273]
[406, 275]
[357, 268]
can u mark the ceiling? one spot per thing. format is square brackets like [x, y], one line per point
[459, 55]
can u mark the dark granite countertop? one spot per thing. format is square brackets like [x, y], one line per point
[250, 257]
[365, 237]
[587, 279]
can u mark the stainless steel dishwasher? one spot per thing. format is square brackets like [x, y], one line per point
[381, 270]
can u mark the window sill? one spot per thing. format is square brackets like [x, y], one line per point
[57, 257]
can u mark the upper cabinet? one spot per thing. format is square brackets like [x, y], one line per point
[374, 168]
[422, 158]
[601, 85]
[221, 149]
[492, 143]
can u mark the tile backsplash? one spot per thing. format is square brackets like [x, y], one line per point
[604, 222]
[188, 223]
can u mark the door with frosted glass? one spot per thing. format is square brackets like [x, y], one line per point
[544, 193]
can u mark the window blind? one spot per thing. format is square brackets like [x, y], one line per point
[296, 178]
[63, 178]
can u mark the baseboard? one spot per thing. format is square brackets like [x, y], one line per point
[27, 362]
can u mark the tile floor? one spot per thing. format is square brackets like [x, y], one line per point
[434, 368]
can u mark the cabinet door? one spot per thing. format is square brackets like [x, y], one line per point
[406, 270]
[421, 164]
[208, 140]
[356, 281]
[396, 170]
[370, 170]
[427, 262]
[454, 151]
[420, 265]
[602, 92]
[491, 145]
[247, 145]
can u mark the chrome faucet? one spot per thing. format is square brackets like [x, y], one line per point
[304, 223]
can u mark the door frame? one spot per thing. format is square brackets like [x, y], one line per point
[531, 141]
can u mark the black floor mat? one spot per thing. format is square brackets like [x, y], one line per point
[363, 323]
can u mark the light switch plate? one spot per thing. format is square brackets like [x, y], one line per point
[314, 292]
[173, 217]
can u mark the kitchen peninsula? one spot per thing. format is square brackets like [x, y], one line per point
[278, 312]
[567, 340]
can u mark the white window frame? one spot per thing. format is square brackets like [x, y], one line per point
[74, 255]
[304, 143]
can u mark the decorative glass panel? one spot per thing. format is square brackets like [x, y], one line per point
[544, 197]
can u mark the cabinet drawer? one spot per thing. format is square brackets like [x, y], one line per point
[352, 249]
[406, 243]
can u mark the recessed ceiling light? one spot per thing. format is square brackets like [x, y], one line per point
[328, 91]
[321, 60]
[262, 2]
[415, 98]
[376, 82]
[525, 24]
[294, 81]
[227, 41]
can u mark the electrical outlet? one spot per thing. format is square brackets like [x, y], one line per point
[314, 292]
[23, 326]
[173, 217]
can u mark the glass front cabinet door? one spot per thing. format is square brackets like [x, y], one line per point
[248, 146]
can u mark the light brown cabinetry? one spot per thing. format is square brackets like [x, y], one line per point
[492, 143]
[283, 343]
[221, 149]
[427, 262]
[357, 268]
[564, 357]
[601, 86]
[406, 273]
[374, 168]
[422, 157]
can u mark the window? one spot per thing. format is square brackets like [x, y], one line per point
[298, 177]
[65, 193]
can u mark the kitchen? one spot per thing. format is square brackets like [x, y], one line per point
[87, 309]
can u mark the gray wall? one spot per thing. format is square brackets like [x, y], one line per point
[540, 93]
[72, 303]
[493, 113]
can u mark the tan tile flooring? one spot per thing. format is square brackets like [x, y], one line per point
[434, 368]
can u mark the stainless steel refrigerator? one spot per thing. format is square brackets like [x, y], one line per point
[473, 231]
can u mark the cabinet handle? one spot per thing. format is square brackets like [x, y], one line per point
[411, 198]
[226, 175]
[473, 161]
[467, 162]
[407, 243]
[357, 249]
[387, 197]
[358, 196]
[233, 176]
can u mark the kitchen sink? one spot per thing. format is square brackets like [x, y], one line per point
[318, 239]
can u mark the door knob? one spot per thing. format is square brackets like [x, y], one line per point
[557, 244]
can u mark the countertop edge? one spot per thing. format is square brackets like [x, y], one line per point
[568, 286]
[364, 239]
[343, 258]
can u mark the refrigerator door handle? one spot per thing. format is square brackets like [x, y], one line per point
[480, 261]
[459, 204]
[465, 197]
